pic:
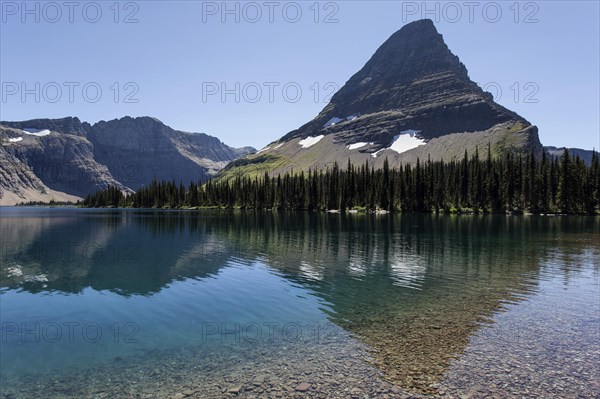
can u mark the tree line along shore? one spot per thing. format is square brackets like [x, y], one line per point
[514, 183]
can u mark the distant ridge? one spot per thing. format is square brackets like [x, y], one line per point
[585, 155]
[66, 159]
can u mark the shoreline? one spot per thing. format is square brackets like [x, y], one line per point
[322, 211]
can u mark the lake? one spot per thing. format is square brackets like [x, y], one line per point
[145, 303]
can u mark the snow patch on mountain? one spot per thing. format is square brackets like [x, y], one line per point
[406, 140]
[15, 140]
[263, 150]
[335, 120]
[37, 132]
[374, 155]
[356, 146]
[310, 141]
[332, 121]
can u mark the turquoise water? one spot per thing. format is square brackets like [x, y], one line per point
[423, 302]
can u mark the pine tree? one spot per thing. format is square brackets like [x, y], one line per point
[565, 189]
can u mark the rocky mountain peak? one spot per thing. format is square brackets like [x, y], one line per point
[414, 51]
[412, 82]
[412, 100]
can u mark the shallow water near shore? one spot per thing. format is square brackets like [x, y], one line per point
[142, 303]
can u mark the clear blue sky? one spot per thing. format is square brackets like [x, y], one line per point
[178, 53]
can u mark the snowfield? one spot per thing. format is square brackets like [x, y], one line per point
[37, 132]
[405, 141]
[356, 146]
[15, 140]
[310, 141]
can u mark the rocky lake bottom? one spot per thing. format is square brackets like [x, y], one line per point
[330, 306]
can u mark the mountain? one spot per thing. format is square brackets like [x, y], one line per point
[65, 159]
[585, 155]
[412, 99]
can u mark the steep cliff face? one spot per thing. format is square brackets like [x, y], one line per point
[18, 182]
[412, 99]
[62, 162]
[136, 150]
[65, 158]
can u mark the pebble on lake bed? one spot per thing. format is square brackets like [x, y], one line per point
[303, 387]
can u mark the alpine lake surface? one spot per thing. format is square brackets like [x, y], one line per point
[219, 304]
